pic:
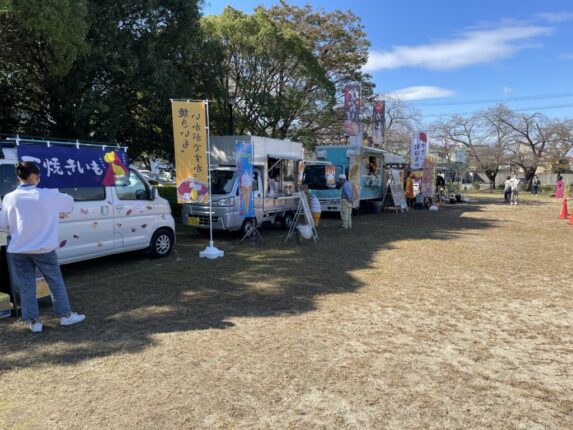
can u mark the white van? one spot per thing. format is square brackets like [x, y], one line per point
[129, 216]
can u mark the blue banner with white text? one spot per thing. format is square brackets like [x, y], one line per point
[76, 167]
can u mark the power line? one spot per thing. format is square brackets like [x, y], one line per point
[498, 100]
[527, 109]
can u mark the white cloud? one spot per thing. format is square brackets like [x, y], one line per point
[568, 56]
[422, 92]
[507, 90]
[472, 47]
[555, 17]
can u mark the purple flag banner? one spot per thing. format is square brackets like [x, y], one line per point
[76, 167]
[352, 109]
[379, 122]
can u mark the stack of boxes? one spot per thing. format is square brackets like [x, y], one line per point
[42, 292]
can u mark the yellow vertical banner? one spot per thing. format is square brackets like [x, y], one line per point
[191, 159]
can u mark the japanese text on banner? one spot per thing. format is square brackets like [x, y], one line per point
[71, 167]
[419, 150]
[352, 109]
[191, 160]
[379, 122]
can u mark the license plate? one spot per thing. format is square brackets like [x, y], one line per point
[193, 220]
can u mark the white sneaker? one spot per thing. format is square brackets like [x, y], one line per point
[74, 318]
[36, 327]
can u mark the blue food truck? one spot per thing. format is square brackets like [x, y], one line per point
[363, 166]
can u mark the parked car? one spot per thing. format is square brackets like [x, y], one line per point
[160, 179]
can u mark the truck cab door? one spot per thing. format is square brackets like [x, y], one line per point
[132, 209]
[87, 231]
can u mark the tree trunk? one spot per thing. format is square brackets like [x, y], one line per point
[529, 174]
[491, 176]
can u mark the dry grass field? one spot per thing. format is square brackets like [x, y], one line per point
[461, 318]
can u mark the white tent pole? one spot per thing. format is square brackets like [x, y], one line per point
[209, 172]
[211, 252]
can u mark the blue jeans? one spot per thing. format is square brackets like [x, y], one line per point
[23, 274]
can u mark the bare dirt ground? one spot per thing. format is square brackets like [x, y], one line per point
[457, 319]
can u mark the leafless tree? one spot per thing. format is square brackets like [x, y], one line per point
[485, 139]
[556, 155]
[533, 138]
[401, 120]
[445, 149]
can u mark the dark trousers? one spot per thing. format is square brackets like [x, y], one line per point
[507, 196]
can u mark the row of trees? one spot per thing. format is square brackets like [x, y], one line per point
[106, 69]
[500, 137]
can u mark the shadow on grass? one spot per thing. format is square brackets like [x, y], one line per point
[129, 298]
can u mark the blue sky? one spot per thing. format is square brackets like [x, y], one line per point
[446, 55]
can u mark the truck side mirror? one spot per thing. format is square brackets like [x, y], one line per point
[152, 193]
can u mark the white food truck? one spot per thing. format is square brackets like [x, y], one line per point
[128, 216]
[275, 179]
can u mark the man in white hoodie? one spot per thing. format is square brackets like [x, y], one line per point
[30, 216]
[514, 185]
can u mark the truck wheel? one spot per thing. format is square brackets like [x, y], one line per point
[247, 226]
[161, 243]
[286, 220]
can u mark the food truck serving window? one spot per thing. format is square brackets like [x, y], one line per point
[315, 176]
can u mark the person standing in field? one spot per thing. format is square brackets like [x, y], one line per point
[30, 216]
[535, 185]
[507, 190]
[514, 184]
[345, 201]
[559, 187]
[410, 197]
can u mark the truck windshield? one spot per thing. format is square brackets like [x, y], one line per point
[315, 176]
[222, 181]
[8, 180]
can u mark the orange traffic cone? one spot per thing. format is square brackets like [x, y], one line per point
[564, 209]
[571, 219]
